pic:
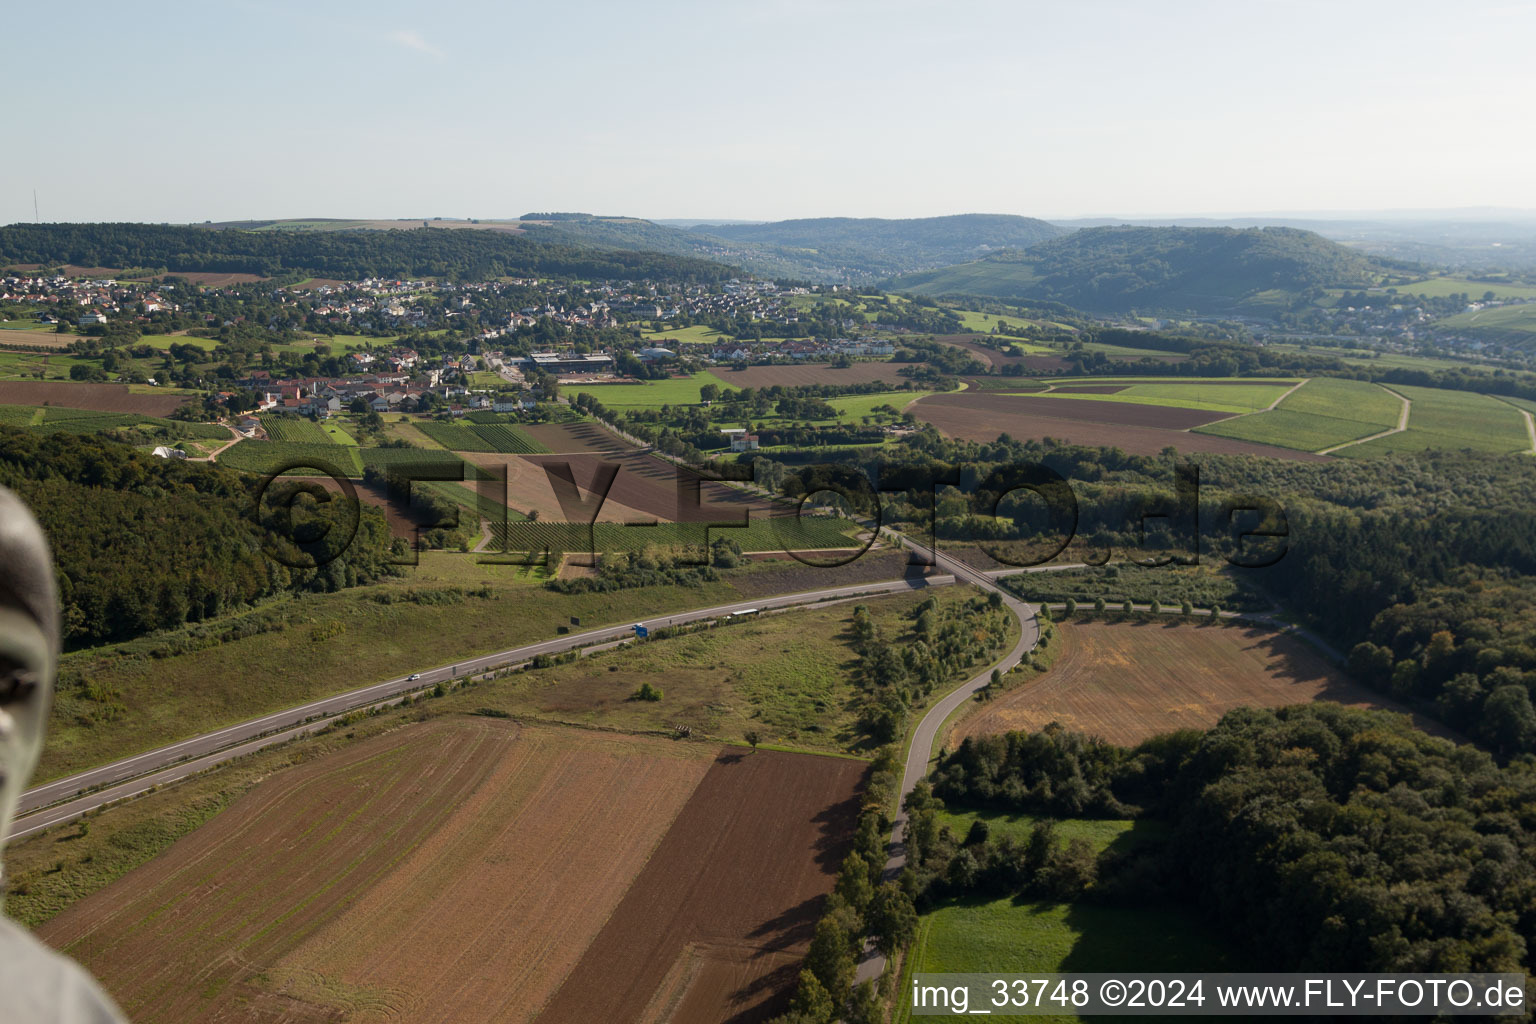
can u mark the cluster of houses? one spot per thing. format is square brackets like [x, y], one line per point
[323, 397]
[100, 298]
[800, 349]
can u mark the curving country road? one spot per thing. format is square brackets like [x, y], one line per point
[65, 799]
[872, 962]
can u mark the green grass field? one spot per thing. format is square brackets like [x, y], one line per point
[782, 674]
[1320, 414]
[337, 433]
[41, 366]
[651, 394]
[1513, 324]
[1451, 421]
[1009, 937]
[1185, 393]
[1374, 359]
[269, 456]
[698, 334]
[1440, 287]
[302, 648]
[1100, 834]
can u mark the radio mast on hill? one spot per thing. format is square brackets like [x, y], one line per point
[35, 217]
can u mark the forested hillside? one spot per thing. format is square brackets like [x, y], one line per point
[1116, 269]
[878, 246]
[1314, 837]
[460, 254]
[142, 544]
[1421, 569]
[632, 233]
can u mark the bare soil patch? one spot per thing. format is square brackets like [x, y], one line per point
[1126, 682]
[983, 354]
[976, 416]
[100, 397]
[574, 437]
[713, 928]
[528, 489]
[445, 872]
[648, 486]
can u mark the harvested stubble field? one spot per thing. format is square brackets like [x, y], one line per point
[650, 486]
[449, 871]
[799, 375]
[100, 397]
[36, 339]
[527, 487]
[1125, 682]
[714, 927]
[1139, 429]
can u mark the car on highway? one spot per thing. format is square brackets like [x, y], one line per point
[413, 677]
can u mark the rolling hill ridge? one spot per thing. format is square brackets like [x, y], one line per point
[1117, 269]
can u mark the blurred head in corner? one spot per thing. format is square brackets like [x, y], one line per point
[29, 649]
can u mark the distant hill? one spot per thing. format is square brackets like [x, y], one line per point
[856, 248]
[632, 233]
[831, 249]
[1207, 270]
[347, 253]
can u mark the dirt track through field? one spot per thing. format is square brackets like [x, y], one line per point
[445, 872]
[712, 930]
[1126, 682]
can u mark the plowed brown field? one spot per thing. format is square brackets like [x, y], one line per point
[574, 437]
[1135, 428]
[528, 488]
[1125, 682]
[713, 928]
[446, 872]
[649, 485]
[100, 397]
[798, 375]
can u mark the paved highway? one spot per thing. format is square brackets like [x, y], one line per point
[88, 790]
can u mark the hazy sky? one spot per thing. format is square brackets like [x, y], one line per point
[763, 110]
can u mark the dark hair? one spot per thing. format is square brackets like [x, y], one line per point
[26, 567]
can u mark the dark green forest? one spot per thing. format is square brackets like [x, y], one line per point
[875, 245]
[1419, 568]
[142, 544]
[1314, 837]
[462, 254]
